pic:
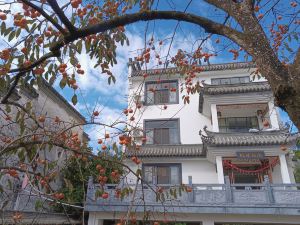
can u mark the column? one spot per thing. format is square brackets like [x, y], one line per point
[273, 115]
[93, 220]
[208, 222]
[284, 170]
[220, 171]
[214, 118]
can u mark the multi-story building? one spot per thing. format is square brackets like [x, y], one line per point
[236, 170]
[17, 196]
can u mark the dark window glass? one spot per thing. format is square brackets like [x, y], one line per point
[164, 92]
[162, 174]
[162, 132]
[237, 124]
[230, 80]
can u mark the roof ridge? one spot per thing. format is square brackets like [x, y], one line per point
[210, 67]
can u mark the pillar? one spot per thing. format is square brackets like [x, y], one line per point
[214, 118]
[284, 170]
[93, 220]
[208, 222]
[273, 115]
[220, 171]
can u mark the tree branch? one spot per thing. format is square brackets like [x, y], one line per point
[62, 16]
[24, 110]
[295, 67]
[12, 87]
[250, 4]
[296, 63]
[227, 5]
[23, 70]
[208, 25]
[36, 63]
[48, 17]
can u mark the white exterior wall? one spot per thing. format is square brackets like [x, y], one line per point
[191, 122]
[201, 170]
[48, 104]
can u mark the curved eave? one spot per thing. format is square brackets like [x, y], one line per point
[235, 88]
[152, 151]
[276, 137]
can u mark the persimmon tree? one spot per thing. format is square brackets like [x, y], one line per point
[44, 39]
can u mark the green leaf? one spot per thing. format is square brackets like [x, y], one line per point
[295, 35]
[52, 79]
[287, 47]
[63, 83]
[11, 35]
[3, 27]
[79, 46]
[74, 99]
[87, 46]
[111, 79]
[38, 205]
[7, 108]
[18, 32]
[8, 30]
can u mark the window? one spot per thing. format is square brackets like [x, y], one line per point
[230, 80]
[162, 173]
[238, 124]
[162, 132]
[165, 92]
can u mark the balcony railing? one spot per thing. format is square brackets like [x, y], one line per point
[263, 198]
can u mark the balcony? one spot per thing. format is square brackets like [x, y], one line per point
[266, 198]
[239, 94]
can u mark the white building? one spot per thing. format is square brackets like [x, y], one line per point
[236, 170]
[14, 198]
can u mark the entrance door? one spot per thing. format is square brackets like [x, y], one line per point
[246, 179]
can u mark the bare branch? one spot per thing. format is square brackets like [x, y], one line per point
[61, 16]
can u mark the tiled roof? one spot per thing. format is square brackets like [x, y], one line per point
[136, 71]
[167, 151]
[275, 137]
[236, 88]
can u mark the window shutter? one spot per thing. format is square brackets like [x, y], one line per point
[163, 175]
[173, 97]
[161, 136]
[149, 94]
[174, 175]
[149, 137]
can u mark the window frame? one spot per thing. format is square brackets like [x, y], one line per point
[179, 165]
[153, 120]
[230, 82]
[161, 82]
[226, 128]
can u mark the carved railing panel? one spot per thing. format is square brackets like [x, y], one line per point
[287, 197]
[210, 196]
[249, 196]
